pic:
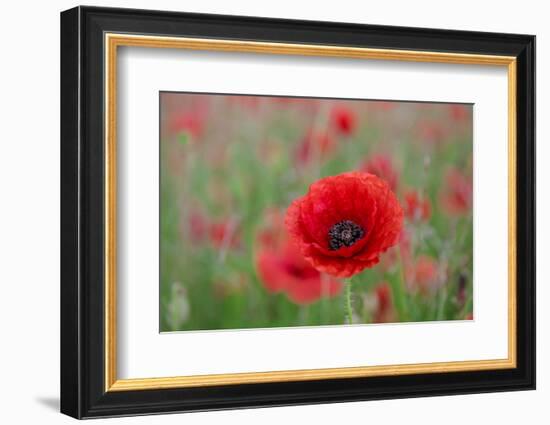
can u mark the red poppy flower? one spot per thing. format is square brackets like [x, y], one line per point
[417, 207]
[456, 197]
[345, 222]
[197, 226]
[191, 121]
[384, 304]
[382, 166]
[224, 233]
[286, 270]
[423, 275]
[344, 120]
[282, 268]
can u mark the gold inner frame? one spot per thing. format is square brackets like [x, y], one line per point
[113, 41]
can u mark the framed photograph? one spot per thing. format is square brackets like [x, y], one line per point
[261, 212]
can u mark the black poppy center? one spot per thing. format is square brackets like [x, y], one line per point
[344, 233]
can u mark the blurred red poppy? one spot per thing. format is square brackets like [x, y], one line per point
[282, 268]
[458, 112]
[345, 222]
[286, 270]
[456, 196]
[382, 166]
[224, 233]
[422, 275]
[384, 304]
[343, 120]
[198, 226]
[417, 206]
[191, 122]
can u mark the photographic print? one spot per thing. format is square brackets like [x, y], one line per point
[204, 207]
[284, 211]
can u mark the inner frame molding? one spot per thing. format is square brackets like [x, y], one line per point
[111, 43]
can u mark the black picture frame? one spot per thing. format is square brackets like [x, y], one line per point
[82, 219]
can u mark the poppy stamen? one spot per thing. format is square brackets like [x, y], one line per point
[344, 233]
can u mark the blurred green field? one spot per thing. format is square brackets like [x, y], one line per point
[228, 163]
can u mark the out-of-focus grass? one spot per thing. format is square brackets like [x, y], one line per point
[243, 162]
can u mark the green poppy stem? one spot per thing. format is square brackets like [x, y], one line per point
[348, 306]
